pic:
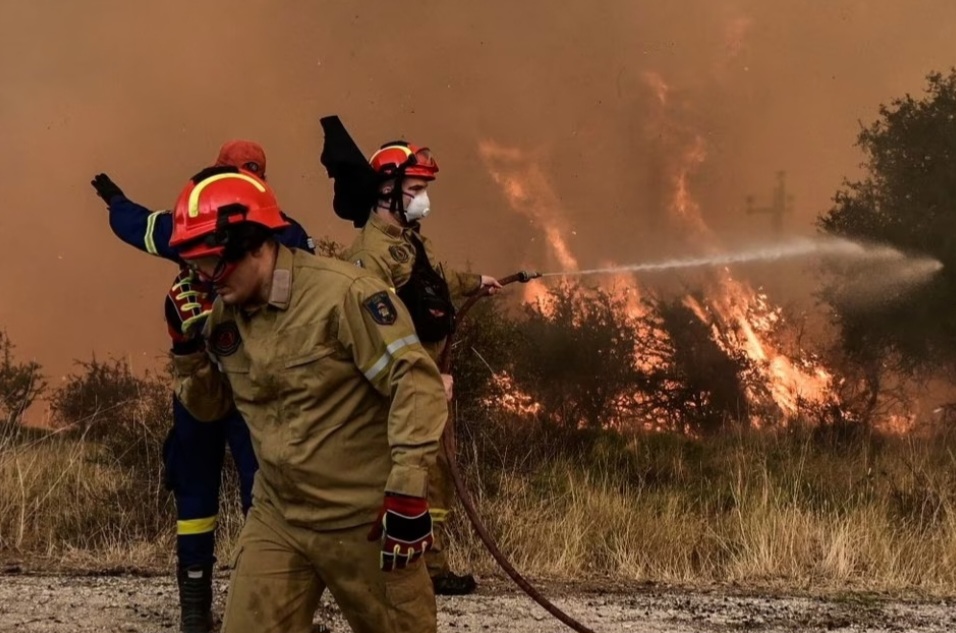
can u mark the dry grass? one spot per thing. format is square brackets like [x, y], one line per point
[795, 510]
[75, 502]
[787, 510]
[68, 497]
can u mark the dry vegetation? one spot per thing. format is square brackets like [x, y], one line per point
[794, 509]
[803, 506]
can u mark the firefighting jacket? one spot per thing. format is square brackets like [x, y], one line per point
[342, 402]
[387, 251]
[150, 231]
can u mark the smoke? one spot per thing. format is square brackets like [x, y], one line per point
[148, 91]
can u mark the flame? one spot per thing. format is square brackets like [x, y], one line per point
[657, 85]
[683, 203]
[741, 321]
[511, 398]
[898, 423]
[528, 191]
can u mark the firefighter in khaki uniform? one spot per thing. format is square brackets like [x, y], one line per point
[392, 247]
[345, 410]
[193, 451]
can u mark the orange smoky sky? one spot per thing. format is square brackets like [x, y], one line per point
[601, 94]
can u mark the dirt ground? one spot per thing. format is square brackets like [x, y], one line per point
[58, 603]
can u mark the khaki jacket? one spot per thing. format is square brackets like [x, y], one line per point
[342, 402]
[387, 251]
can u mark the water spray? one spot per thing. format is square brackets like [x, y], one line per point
[794, 248]
[802, 247]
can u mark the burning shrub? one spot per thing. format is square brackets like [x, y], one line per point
[575, 355]
[707, 383]
[483, 350]
[590, 358]
[583, 358]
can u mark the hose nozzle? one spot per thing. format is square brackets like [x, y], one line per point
[525, 276]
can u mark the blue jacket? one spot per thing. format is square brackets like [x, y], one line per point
[150, 231]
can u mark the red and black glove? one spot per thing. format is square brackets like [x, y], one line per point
[188, 303]
[407, 527]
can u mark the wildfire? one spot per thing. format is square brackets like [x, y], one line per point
[529, 193]
[741, 321]
[684, 205]
[511, 398]
[657, 84]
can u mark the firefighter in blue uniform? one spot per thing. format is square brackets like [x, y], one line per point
[193, 450]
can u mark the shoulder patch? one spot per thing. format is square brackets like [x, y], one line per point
[225, 339]
[398, 253]
[381, 308]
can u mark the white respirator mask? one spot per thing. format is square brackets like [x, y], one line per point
[418, 208]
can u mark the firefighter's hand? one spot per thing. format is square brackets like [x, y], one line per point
[406, 526]
[449, 382]
[188, 303]
[105, 188]
[491, 284]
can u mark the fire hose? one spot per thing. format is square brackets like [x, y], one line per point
[355, 192]
[448, 446]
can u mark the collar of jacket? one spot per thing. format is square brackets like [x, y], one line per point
[281, 292]
[393, 230]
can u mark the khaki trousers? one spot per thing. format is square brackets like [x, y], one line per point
[280, 572]
[441, 496]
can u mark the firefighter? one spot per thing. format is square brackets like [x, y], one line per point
[344, 406]
[194, 452]
[392, 247]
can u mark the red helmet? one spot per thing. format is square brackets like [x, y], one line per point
[401, 157]
[216, 199]
[247, 155]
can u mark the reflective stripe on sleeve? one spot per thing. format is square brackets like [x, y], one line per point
[148, 239]
[385, 359]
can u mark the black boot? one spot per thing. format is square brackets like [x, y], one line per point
[448, 583]
[195, 598]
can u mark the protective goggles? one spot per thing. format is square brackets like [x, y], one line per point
[420, 158]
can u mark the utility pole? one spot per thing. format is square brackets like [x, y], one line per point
[781, 205]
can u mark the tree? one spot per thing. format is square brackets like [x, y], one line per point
[20, 383]
[907, 199]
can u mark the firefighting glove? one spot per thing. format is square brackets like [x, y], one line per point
[407, 528]
[105, 188]
[188, 303]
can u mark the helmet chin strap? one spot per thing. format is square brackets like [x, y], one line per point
[396, 199]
